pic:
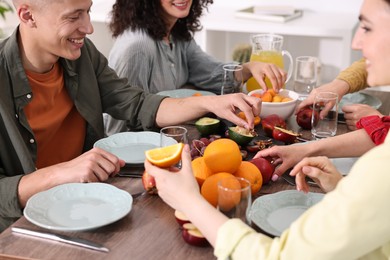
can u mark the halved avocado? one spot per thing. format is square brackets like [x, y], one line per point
[240, 135]
[207, 125]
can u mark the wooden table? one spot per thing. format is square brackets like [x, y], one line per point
[149, 231]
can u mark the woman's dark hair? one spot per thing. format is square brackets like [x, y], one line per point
[147, 15]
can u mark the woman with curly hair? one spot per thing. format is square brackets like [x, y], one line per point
[155, 49]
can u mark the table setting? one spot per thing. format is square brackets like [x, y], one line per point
[118, 219]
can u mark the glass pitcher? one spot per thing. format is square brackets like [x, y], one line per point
[268, 48]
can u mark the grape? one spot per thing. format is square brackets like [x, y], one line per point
[194, 152]
[198, 144]
[205, 140]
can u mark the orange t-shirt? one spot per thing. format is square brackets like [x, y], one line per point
[58, 127]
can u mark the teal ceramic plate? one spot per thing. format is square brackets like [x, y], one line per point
[274, 213]
[130, 146]
[78, 206]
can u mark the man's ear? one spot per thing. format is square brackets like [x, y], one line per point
[26, 16]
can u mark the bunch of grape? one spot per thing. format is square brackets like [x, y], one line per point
[198, 146]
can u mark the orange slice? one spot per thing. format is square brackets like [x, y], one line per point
[165, 156]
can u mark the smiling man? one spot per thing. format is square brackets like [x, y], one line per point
[55, 87]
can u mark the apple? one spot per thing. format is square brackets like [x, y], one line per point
[149, 183]
[304, 117]
[181, 218]
[265, 166]
[284, 135]
[193, 236]
[269, 122]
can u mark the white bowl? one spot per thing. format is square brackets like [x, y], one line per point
[282, 109]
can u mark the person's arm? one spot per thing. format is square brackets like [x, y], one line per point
[350, 80]
[95, 165]
[178, 110]
[352, 144]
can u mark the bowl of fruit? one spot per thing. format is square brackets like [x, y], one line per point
[282, 103]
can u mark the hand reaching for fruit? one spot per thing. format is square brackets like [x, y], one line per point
[284, 157]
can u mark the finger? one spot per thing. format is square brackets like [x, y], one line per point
[186, 159]
[260, 78]
[301, 183]
[113, 159]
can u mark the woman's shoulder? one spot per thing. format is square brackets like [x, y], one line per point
[135, 41]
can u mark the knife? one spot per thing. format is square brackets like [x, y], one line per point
[61, 238]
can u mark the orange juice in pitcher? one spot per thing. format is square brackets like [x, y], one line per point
[268, 48]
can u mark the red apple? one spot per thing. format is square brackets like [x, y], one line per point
[149, 183]
[284, 135]
[304, 117]
[266, 168]
[181, 218]
[193, 236]
[269, 122]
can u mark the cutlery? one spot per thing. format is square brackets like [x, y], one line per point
[61, 238]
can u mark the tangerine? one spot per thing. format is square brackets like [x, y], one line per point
[209, 189]
[229, 193]
[249, 171]
[266, 97]
[223, 155]
[257, 120]
[200, 170]
[165, 156]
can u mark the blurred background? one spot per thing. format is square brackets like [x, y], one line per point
[325, 30]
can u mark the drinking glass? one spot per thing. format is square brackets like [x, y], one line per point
[325, 125]
[232, 79]
[173, 134]
[235, 198]
[305, 77]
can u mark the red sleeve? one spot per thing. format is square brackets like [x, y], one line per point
[376, 127]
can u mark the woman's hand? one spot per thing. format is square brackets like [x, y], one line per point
[320, 169]
[260, 70]
[178, 188]
[353, 113]
[284, 157]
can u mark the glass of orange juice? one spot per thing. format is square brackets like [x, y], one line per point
[268, 48]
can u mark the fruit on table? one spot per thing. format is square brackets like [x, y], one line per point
[265, 166]
[222, 155]
[193, 236]
[249, 171]
[269, 122]
[284, 135]
[149, 183]
[209, 189]
[165, 156]
[181, 218]
[256, 121]
[304, 117]
[200, 170]
[207, 125]
[241, 135]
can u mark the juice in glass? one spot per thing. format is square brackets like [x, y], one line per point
[274, 57]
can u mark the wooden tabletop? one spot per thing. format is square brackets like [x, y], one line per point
[149, 231]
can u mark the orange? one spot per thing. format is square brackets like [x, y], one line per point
[272, 92]
[249, 171]
[165, 156]
[197, 94]
[230, 195]
[223, 155]
[266, 97]
[209, 189]
[242, 115]
[200, 170]
[277, 98]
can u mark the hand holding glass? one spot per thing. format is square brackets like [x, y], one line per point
[325, 124]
